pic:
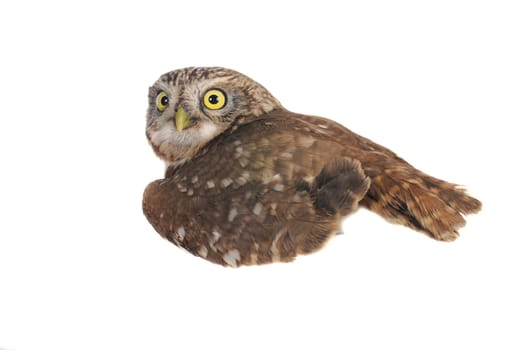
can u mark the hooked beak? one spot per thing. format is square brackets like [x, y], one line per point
[182, 119]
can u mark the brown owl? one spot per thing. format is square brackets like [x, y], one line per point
[248, 182]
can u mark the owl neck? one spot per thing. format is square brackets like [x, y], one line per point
[243, 120]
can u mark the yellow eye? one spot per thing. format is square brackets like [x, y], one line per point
[214, 99]
[161, 101]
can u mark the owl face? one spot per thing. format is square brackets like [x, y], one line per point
[189, 107]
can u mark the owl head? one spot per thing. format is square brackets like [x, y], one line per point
[191, 106]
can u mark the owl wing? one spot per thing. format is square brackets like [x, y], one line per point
[398, 191]
[265, 190]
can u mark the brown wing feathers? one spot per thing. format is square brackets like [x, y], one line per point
[409, 197]
[401, 193]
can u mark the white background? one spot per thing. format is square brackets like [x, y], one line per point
[442, 83]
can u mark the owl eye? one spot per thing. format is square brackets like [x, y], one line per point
[214, 99]
[162, 101]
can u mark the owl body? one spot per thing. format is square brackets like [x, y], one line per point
[248, 182]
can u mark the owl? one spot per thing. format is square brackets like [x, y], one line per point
[248, 182]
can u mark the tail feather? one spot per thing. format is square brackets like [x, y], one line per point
[454, 195]
[412, 198]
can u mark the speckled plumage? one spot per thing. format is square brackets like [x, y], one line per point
[252, 183]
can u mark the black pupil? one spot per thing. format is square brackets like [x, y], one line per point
[213, 99]
[164, 100]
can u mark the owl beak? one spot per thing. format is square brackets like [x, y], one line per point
[182, 119]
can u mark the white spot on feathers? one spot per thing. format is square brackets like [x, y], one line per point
[232, 214]
[210, 184]
[286, 155]
[226, 182]
[214, 239]
[278, 187]
[273, 207]
[274, 249]
[263, 142]
[243, 178]
[203, 251]
[257, 208]
[181, 233]
[243, 162]
[306, 141]
[232, 257]
[267, 175]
